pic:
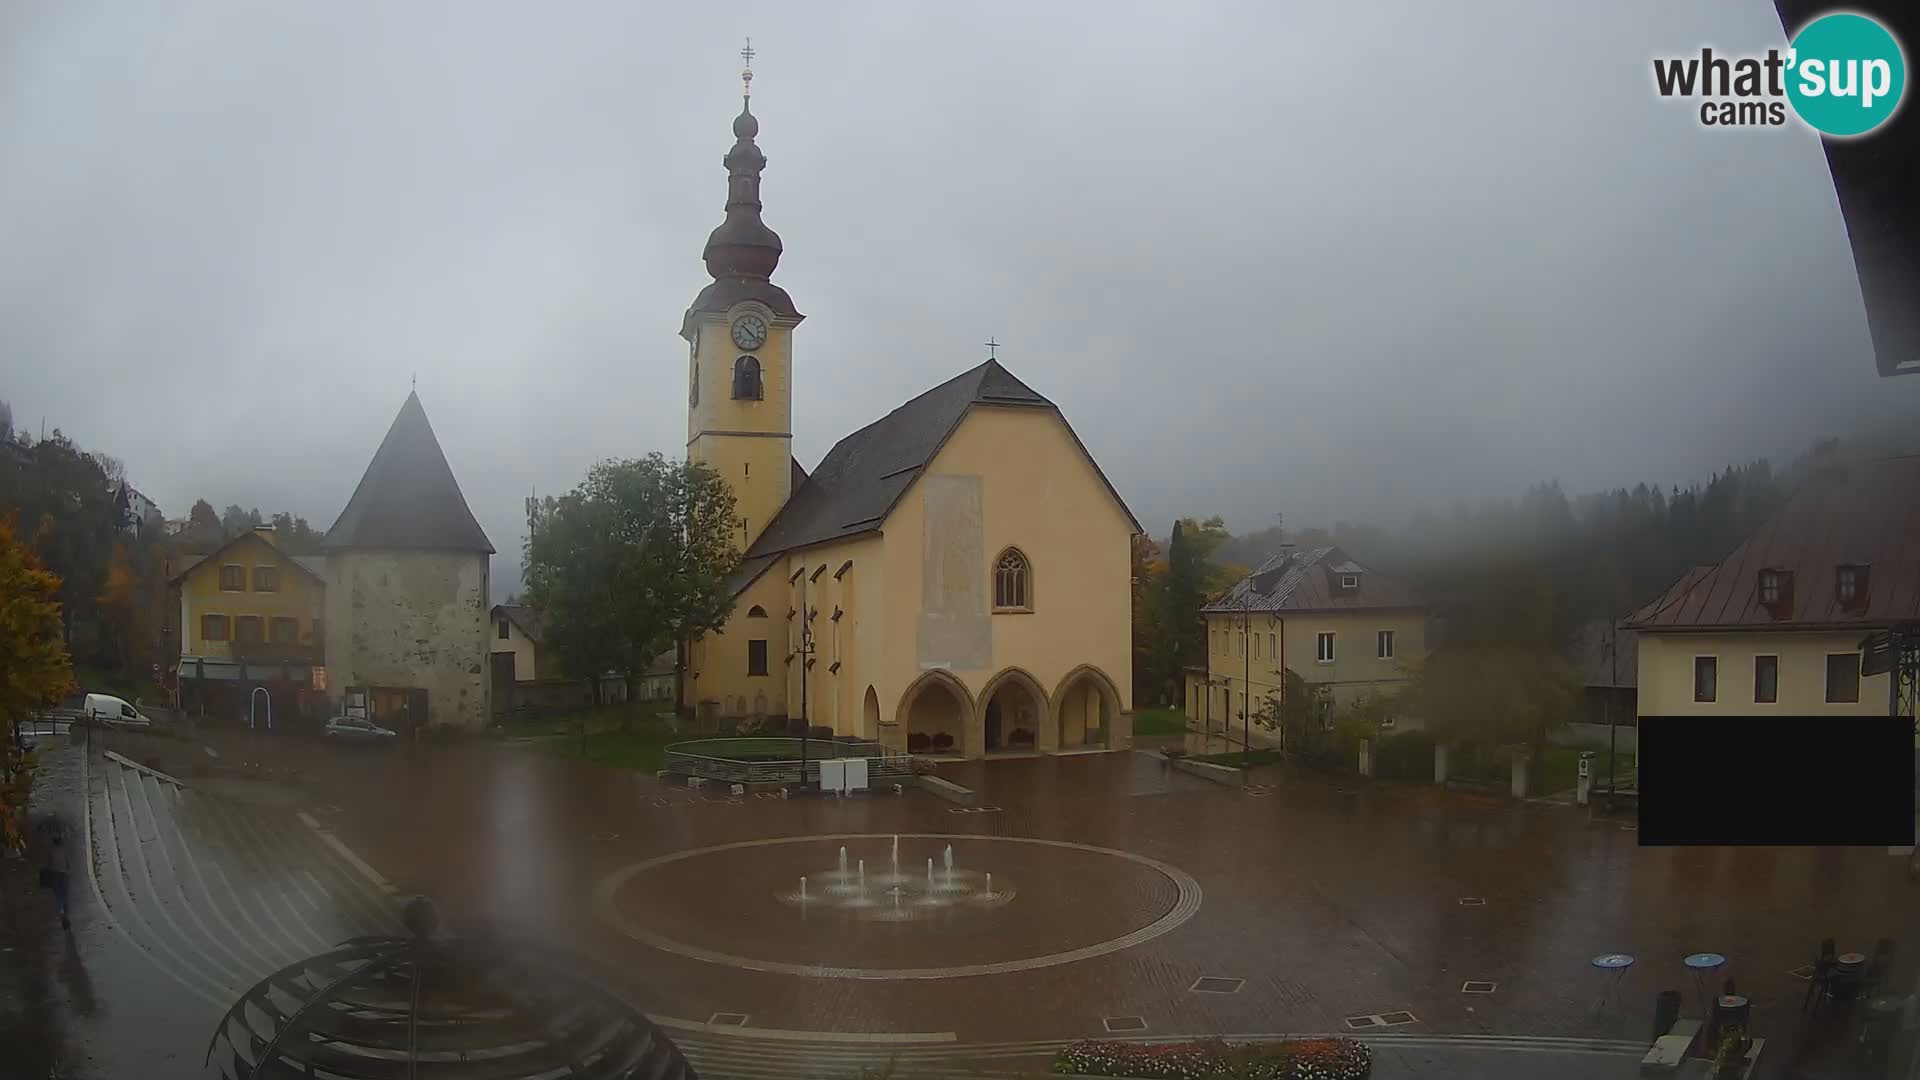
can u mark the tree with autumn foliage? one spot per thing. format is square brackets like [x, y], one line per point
[131, 607]
[35, 669]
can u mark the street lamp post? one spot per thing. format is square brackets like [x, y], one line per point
[806, 657]
[1246, 684]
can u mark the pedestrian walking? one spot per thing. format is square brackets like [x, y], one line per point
[57, 874]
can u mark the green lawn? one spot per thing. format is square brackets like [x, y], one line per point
[1240, 759]
[641, 745]
[1558, 768]
[1159, 722]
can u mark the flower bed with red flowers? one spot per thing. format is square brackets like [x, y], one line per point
[1287, 1059]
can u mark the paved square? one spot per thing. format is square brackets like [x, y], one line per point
[1215, 984]
[1069, 894]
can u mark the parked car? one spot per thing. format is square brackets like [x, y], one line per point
[114, 712]
[354, 729]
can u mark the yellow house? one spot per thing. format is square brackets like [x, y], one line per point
[251, 616]
[1777, 626]
[1346, 630]
[516, 637]
[952, 578]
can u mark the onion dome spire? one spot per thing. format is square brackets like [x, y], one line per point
[743, 246]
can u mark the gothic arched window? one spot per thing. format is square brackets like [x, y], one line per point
[746, 379]
[756, 612]
[1012, 582]
[693, 385]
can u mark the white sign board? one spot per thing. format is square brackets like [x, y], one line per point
[833, 775]
[856, 773]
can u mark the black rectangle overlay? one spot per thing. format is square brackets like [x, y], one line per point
[1786, 781]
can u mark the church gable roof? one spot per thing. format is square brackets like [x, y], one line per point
[408, 497]
[863, 476]
[855, 485]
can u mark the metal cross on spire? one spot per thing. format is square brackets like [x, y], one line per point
[992, 345]
[746, 73]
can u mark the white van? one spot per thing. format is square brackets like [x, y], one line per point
[107, 709]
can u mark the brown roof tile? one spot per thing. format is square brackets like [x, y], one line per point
[1866, 514]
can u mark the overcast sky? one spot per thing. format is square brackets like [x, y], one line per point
[1334, 262]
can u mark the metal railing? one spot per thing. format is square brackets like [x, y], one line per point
[776, 760]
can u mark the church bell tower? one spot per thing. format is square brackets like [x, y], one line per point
[739, 334]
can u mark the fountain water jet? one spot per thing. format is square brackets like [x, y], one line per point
[941, 887]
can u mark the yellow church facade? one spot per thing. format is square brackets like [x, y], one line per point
[950, 579]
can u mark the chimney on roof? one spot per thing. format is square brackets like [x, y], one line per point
[265, 532]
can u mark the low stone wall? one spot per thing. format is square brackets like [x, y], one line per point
[1207, 770]
[947, 789]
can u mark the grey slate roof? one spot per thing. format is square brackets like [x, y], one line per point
[854, 487]
[530, 621]
[1304, 581]
[408, 497]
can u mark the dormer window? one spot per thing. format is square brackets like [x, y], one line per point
[1776, 591]
[1850, 586]
[1349, 581]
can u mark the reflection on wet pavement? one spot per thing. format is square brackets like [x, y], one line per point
[218, 894]
[1322, 900]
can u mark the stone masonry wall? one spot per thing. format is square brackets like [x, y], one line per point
[411, 619]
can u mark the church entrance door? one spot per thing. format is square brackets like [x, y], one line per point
[994, 740]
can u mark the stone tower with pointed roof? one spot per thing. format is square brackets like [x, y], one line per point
[953, 578]
[407, 588]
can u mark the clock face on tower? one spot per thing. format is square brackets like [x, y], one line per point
[749, 331]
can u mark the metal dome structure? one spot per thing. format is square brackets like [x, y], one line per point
[430, 1006]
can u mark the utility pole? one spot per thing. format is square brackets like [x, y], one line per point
[806, 658]
[1246, 680]
[1613, 681]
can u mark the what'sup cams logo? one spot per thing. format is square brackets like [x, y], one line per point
[1843, 75]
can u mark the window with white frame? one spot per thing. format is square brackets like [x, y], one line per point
[1383, 644]
[1323, 646]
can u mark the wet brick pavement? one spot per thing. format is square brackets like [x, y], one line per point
[1330, 900]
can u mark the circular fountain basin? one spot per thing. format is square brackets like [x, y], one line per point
[1049, 902]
